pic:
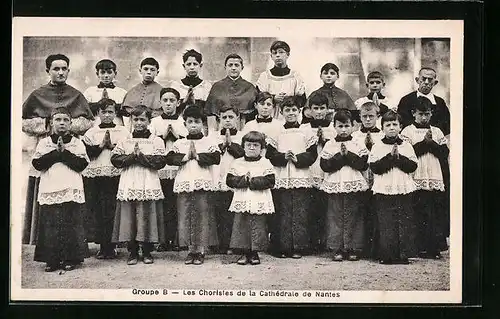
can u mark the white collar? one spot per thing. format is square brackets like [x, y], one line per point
[429, 96]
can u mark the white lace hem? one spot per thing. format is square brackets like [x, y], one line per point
[290, 183]
[139, 194]
[258, 208]
[196, 185]
[108, 171]
[344, 187]
[430, 184]
[63, 196]
[393, 190]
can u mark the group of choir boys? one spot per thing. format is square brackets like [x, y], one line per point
[277, 172]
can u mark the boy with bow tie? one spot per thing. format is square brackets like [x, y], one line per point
[106, 73]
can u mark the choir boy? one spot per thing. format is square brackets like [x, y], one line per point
[101, 178]
[106, 89]
[60, 158]
[229, 141]
[252, 178]
[344, 159]
[147, 92]
[169, 126]
[139, 209]
[295, 151]
[195, 155]
[431, 149]
[393, 162]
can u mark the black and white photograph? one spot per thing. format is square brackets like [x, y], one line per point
[236, 160]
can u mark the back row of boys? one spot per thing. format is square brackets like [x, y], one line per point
[278, 139]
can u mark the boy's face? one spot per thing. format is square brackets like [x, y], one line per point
[108, 114]
[228, 119]
[191, 66]
[422, 117]
[329, 77]
[265, 108]
[343, 129]
[252, 149]
[375, 85]
[368, 117]
[290, 113]
[148, 72]
[193, 125]
[234, 67]
[140, 122]
[391, 128]
[169, 103]
[279, 57]
[58, 72]
[426, 80]
[60, 123]
[106, 76]
[318, 111]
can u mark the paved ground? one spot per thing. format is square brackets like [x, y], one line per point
[220, 272]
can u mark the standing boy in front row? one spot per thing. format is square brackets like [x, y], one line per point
[193, 183]
[101, 178]
[252, 178]
[343, 159]
[431, 149]
[229, 141]
[322, 129]
[169, 127]
[392, 162]
[368, 134]
[60, 158]
[292, 155]
[139, 211]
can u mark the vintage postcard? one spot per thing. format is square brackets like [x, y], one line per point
[236, 160]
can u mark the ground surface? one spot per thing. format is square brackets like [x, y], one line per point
[220, 272]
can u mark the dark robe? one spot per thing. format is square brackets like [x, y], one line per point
[238, 93]
[43, 100]
[337, 99]
[440, 112]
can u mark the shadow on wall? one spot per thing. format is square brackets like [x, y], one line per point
[398, 59]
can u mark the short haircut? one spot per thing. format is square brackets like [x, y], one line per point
[233, 56]
[104, 103]
[193, 111]
[150, 61]
[423, 104]
[171, 90]
[330, 66]
[368, 106]
[318, 99]
[254, 136]
[375, 75]
[105, 64]
[59, 110]
[263, 96]
[288, 101]
[141, 109]
[54, 57]
[280, 45]
[229, 107]
[428, 69]
[343, 116]
[195, 54]
[390, 116]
